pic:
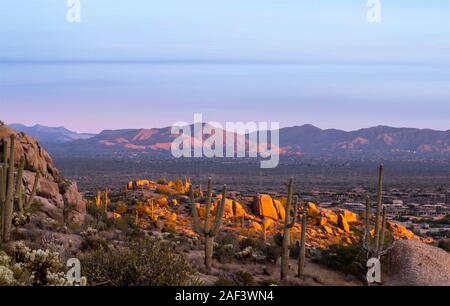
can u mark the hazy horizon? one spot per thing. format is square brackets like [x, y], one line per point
[150, 63]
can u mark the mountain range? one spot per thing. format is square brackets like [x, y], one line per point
[50, 135]
[297, 140]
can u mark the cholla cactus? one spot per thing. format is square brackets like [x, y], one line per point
[89, 232]
[33, 267]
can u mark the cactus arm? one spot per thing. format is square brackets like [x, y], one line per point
[197, 223]
[302, 247]
[220, 213]
[294, 218]
[208, 207]
[287, 207]
[383, 230]
[379, 207]
[367, 222]
[33, 191]
[19, 183]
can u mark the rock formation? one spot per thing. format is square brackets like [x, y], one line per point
[56, 197]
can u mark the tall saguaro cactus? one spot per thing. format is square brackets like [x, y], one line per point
[288, 224]
[8, 205]
[379, 207]
[207, 230]
[10, 193]
[377, 248]
[302, 245]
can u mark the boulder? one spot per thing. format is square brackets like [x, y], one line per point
[233, 209]
[263, 206]
[255, 226]
[413, 263]
[280, 208]
[77, 204]
[44, 205]
[399, 231]
[313, 210]
[37, 159]
[351, 217]
[343, 224]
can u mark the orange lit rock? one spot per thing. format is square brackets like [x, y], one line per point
[349, 216]
[313, 210]
[279, 206]
[263, 206]
[255, 226]
[343, 224]
[400, 231]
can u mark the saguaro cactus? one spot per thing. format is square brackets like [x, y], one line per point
[288, 224]
[98, 200]
[8, 205]
[9, 193]
[377, 248]
[367, 217]
[207, 230]
[106, 199]
[379, 207]
[302, 245]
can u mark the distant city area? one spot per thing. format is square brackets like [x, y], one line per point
[417, 193]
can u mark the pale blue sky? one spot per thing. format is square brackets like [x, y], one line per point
[318, 62]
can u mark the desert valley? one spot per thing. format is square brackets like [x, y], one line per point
[132, 215]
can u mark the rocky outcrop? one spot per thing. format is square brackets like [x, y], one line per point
[265, 207]
[56, 198]
[413, 263]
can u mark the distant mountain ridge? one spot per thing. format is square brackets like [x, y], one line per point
[294, 141]
[50, 135]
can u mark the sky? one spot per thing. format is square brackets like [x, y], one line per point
[144, 63]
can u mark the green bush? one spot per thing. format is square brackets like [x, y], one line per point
[273, 252]
[350, 259]
[146, 262]
[255, 243]
[242, 278]
[225, 253]
[93, 243]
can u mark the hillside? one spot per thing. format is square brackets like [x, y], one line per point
[294, 141]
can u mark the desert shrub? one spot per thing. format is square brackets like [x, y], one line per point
[242, 278]
[278, 239]
[224, 253]
[444, 244]
[162, 181]
[255, 243]
[227, 238]
[273, 252]
[223, 281]
[350, 259]
[93, 243]
[146, 262]
[166, 190]
[170, 227]
[121, 208]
